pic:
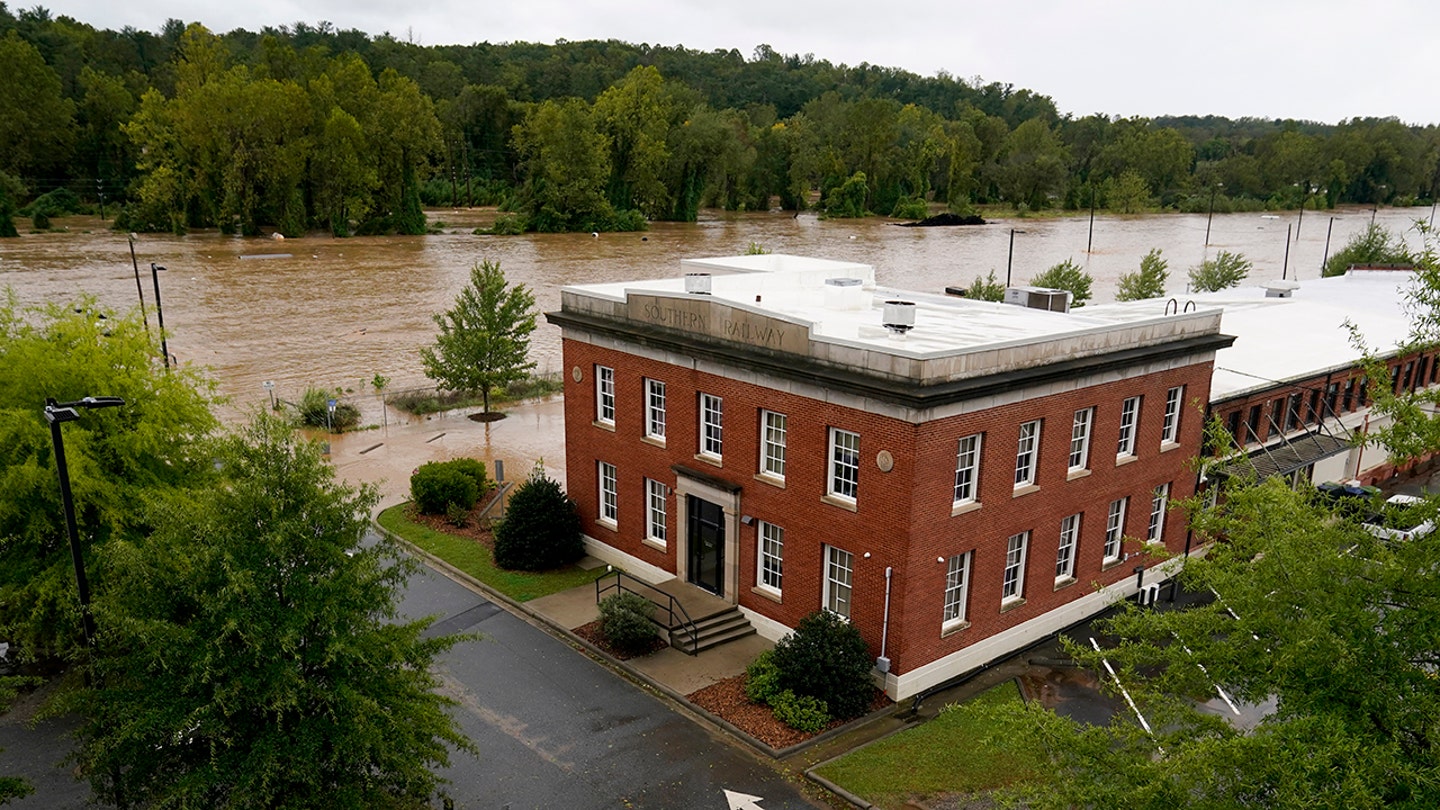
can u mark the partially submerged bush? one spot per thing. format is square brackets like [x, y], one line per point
[541, 529]
[826, 658]
[314, 410]
[625, 622]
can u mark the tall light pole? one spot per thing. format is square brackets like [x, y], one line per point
[1326, 258]
[1305, 193]
[1010, 262]
[1285, 268]
[1090, 242]
[1379, 192]
[1211, 215]
[57, 413]
[139, 291]
[160, 314]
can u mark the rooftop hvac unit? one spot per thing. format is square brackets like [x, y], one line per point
[1038, 298]
[899, 316]
[697, 283]
[846, 294]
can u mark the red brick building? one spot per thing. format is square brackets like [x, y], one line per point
[957, 478]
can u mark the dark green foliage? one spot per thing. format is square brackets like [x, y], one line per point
[436, 486]
[541, 527]
[1147, 282]
[910, 208]
[1069, 276]
[314, 411]
[1374, 245]
[826, 658]
[265, 666]
[10, 190]
[625, 622]
[474, 469]
[800, 712]
[986, 289]
[484, 340]
[457, 515]
[1222, 272]
[56, 203]
[11, 787]
[40, 220]
[762, 678]
[847, 200]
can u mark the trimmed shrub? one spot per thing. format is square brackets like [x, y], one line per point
[800, 712]
[762, 678]
[541, 530]
[437, 485]
[625, 622]
[827, 659]
[474, 469]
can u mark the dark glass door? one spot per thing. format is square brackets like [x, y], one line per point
[706, 541]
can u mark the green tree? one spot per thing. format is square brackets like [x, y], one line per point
[634, 116]
[1067, 275]
[1033, 166]
[826, 658]
[35, 116]
[541, 529]
[986, 289]
[1147, 282]
[343, 178]
[10, 190]
[1225, 270]
[1374, 245]
[265, 666]
[1128, 194]
[848, 199]
[565, 163]
[118, 457]
[484, 339]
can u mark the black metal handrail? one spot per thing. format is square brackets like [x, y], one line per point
[671, 605]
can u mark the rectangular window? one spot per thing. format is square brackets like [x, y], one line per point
[1115, 529]
[1026, 452]
[967, 469]
[844, 463]
[772, 556]
[1348, 403]
[1395, 378]
[1407, 376]
[1332, 396]
[712, 425]
[1065, 554]
[957, 587]
[1234, 426]
[1159, 502]
[772, 443]
[1292, 411]
[1421, 369]
[1277, 416]
[1364, 391]
[838, 567]
[605, 395]
[609, 494]
[655, 519]
[1012, 584]
[655, 409]
[1254, 423]
[1080, 439]
[1314, 415]
[1129, 417]
[1170, 433]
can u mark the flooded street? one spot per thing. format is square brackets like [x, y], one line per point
[319, 311]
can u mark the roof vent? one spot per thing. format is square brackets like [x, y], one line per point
[697, 283]
[1281, 289]
[845, 294]
[899, 316]
[1038, 298]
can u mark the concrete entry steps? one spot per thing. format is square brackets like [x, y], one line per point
[715, 620]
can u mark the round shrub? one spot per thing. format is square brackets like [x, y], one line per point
[762, 678]
[541, 529]
[800, 712]
[472, 468]
[827, 659]
[435, 486]
[625, 622]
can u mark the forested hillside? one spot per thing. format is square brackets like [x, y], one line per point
[300, 127]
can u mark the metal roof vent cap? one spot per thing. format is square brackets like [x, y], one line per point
[899, 316]
[697, 283]
[1281, 289]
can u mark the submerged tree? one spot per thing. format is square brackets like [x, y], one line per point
[1222, 272]
[1147, 282]
[484, 340]
[1068, 276]
[250, 651]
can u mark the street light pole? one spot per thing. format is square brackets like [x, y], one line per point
[1211, 216]
[1304, 198]
[160, 314]
[1090, 242]
[57, 413]
[139, 291]
[1285, 268]
[1326, 258]
[1010, 262]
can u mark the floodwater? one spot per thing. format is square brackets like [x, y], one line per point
[320, 311]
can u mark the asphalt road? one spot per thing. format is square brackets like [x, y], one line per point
[554, 729]
[557, 730]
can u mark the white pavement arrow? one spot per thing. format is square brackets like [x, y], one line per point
[743, 801]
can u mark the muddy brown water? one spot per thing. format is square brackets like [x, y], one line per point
[335, 312]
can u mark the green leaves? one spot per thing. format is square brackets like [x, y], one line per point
[1067, 275]
[484, 340]
[1147, 282]
[1222, 272]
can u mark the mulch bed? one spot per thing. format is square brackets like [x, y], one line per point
[591, 633]
[726, 700]
[474, 528]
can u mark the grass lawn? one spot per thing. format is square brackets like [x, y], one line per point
[944, 755]
[477, 561]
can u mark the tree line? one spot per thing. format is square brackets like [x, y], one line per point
[306, 126]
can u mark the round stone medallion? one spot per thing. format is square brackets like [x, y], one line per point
[577, 374]
[884, 461]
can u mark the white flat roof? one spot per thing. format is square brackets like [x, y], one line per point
[795, 288]
[1285, 339]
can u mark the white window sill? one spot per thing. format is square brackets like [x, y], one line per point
[1064, 582]
[964, 508]
[768, 593]
[1025, 489]
[1077, 473]
[771, 479]
[713, 461]
[848, 504]
[608, 523]
[951, 628]
[1010, 604]
[658, 545]
[654, 441]
[1121, 461]
[1166, 447]
[1106, 565]
[610, 426]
